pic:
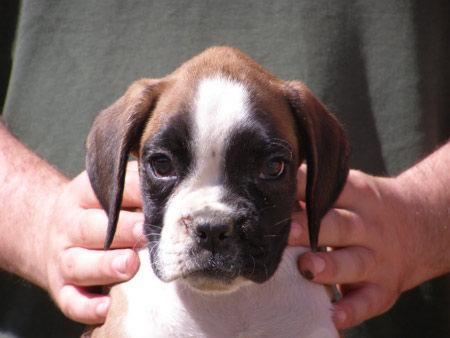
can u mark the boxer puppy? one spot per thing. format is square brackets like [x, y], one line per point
[219, 142]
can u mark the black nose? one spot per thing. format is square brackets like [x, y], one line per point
[213, 236]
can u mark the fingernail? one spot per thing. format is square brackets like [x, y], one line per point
[318, 264]
[312, 266]
[120, 263]
[102, 308]
[339, 317]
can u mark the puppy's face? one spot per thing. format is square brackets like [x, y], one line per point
[219, 142]
[218, 180]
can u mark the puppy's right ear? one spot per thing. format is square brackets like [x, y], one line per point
[115, 133]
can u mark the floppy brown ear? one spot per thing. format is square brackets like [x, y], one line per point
[115, 133]
[325, 147]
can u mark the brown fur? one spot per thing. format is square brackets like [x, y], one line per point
[181, 84]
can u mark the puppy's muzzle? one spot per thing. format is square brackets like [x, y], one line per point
[212, 230]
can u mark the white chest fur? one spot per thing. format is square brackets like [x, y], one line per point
[285, 306]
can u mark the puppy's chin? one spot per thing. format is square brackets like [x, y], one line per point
[202, 283]
[206, 281]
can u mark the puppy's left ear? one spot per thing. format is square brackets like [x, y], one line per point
[325, 147]
[115, 133]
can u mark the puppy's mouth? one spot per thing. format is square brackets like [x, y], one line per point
[203, 271]
[211, 272]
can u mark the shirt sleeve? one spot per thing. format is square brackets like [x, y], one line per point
[9, 13]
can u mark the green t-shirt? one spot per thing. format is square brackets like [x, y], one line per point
[381, 66]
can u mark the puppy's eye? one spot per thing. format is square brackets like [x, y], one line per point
[162, 166]
[272, 169]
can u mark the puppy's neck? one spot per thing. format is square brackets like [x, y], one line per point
[285, 306]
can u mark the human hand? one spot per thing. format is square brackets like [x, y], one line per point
[73, 254]
[374, 248]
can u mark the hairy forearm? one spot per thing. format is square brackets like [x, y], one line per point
[426, 190]
[52, 231]
[29, 187]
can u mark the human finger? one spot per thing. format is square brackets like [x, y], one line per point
[301, 182]
[132, 197]
[97, 267]
[132, 166]
[298, 234]
[131, 194]
[339, 227]
[341, 266]
[357, 186]
[90, 232]
[81, 189]
[81, 306]
[360, 304]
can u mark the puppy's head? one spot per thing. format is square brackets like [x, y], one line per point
[219, 142]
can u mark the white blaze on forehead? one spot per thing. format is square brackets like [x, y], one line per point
[220, 106]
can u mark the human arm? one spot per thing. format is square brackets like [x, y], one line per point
[53, 230]
[389, 235]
